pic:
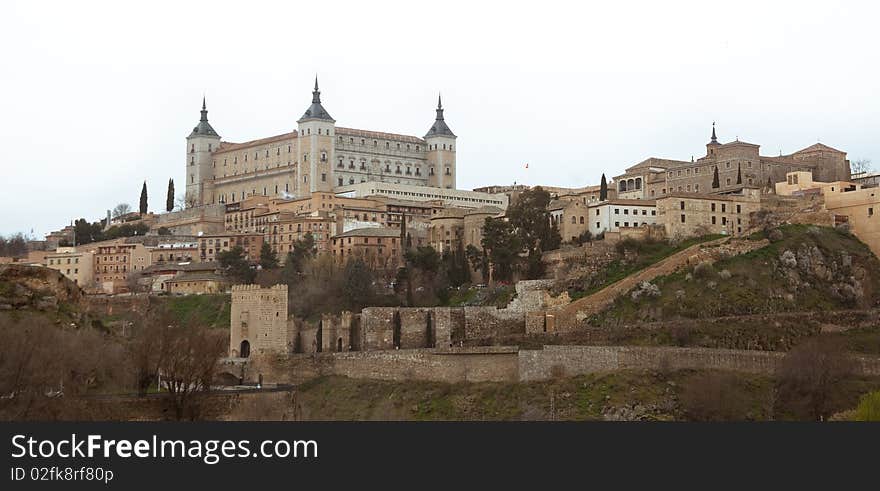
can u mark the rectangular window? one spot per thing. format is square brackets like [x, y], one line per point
[681, 205]
[682, 219]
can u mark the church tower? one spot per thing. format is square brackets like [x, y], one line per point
[200, 144]
[315, 148]
[441, 152]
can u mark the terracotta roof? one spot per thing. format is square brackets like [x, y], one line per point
[711, 197]
[198, 277]
[818, 146]
[229, 146]
[378, 134]
[450, 213]
[369, 232]
[484, 210]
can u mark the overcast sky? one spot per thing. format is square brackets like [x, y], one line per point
[96, 97]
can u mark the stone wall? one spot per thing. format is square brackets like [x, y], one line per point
[491, 364]
[509, 364]
[577, 360]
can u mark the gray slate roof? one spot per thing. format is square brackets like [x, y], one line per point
[439, 127]
[316, 110]
[204, 128]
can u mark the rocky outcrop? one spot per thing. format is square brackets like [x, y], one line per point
[35, 288]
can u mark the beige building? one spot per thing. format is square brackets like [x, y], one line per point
[175, 252]
[860, 208]
[380, 248]
[801, 182]
[449, 197]
[210, 246]
[196, 284]
[738, 164]
[693, 214]
[317, 156]
[76, 266]
[113, 262]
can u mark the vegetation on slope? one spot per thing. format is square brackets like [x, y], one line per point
[636, 256]
[807, 268]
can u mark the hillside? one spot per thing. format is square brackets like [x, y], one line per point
[804, 268]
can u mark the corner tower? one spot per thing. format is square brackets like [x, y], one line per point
[200, 145]
[315, 149]
[441, 152]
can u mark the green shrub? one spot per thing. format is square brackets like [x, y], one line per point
[869, 407]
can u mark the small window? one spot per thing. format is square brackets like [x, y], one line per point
[682, 219]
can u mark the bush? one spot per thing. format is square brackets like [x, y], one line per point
[869, 407]
[715, 396]
[704, 270]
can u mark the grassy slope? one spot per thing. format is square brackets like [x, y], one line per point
[206, 310]
[755, 286]
[577, 398]
[648, 253]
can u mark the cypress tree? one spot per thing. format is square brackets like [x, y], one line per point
[143, 209]
[716, 182]
[169, 201]
[739, 174]
[603, 189]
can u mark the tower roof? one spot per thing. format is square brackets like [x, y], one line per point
[204, 128]
[439, 127]
[316, 110]
[714, 139]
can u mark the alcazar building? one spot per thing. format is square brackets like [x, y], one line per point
[317, 156]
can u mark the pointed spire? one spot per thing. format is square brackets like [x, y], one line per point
[316, 110]
[714, 138]
[439, 108]
[204, 128]
[439, 127]
[316, 94]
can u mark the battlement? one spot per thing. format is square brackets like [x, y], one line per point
[241, 288]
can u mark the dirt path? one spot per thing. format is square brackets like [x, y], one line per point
[575, 312]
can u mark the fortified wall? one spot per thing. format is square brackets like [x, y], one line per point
[511, 364]
[260, 324]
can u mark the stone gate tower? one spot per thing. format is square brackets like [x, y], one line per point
[199, 162]
[315, 148]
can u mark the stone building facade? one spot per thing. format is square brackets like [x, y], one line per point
[76, 266]
[317, 156]
[259, 321]
[692, 214]
[738, 164]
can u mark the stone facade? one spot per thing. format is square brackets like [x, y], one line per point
[317, 156]
[738, 165]
[691, 214]
[76, 266]
[259, 322]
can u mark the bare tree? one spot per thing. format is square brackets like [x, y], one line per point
[811, 373]
[188, 365]
[120, 210]
[185, 202]
[860, 167]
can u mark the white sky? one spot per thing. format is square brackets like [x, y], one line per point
[95, 97]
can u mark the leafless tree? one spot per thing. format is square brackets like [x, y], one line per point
[860, 166]
[185, 202]
[188, 365]
[120, 210]
[811, 373]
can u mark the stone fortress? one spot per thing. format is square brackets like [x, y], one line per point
[316, 157]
